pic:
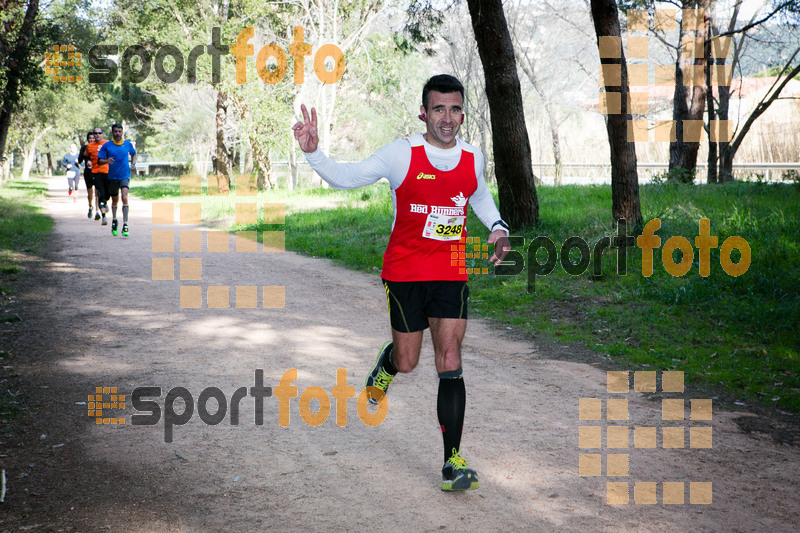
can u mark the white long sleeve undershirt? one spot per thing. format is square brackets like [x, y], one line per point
[393, 161]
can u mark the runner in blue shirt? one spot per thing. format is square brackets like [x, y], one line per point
[115, 154]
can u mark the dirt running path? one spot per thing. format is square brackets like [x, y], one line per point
[92, 316]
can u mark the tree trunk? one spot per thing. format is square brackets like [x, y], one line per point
[624, 179]
[711, 174]
[5, 171]
[263, 164]
[27, 163]
[555, 142]
[725, 172]
[248, 162]
[519, 205]
[688, 102]
[30, 153]
[16, 63]
[221, 162]
[729, 150]
[527, 68]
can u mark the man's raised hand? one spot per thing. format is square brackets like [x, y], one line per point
[306, 131]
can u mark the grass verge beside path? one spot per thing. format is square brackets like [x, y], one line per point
[23, 228]
[739, 333]
[23, 231]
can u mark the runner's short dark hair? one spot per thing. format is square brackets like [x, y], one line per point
[90, 133]
[116, 126]
[441, 83]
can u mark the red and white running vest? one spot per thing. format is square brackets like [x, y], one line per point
[430, 220]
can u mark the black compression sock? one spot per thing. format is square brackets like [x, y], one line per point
[450, 408]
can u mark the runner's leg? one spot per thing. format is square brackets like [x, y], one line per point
[114, 201]
[407, 346]
[124, 193]
[447, 334]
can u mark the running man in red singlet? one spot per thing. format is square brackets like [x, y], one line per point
[433, 177]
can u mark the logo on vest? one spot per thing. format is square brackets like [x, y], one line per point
[456, 211]
[459, 200]
[423, 176]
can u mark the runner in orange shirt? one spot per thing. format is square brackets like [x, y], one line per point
[100, 172]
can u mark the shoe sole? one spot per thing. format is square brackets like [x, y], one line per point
[465, 479]
[374, 370]
[447, 486]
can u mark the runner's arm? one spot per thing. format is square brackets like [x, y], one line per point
[483, 205]
[482, 201]
[387, 163]
[102, 154]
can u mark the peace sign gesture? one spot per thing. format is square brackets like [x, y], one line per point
[306, 132]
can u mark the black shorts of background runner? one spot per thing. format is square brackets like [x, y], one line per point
[114, 186]
[88, 178]
[101, 184]
[411, 303]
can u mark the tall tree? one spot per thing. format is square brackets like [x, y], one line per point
[464, 62]
[18, 67]
[624, 179]
[519, 205]
[221, 160]
[715, 112]
[722, 152]
[789, 71]
[690, 87]
[531, 29]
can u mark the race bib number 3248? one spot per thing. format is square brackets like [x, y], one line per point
[443, 227]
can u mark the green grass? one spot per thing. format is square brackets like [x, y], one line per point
[23, 228]
[739, 333]
[23, 231]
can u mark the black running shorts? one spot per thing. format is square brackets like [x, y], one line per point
[411, 303]
[101, 184]
[114, 186]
